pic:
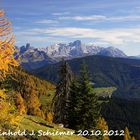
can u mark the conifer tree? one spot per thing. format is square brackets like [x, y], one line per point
[74, 108]
[90, 110]
[61, 98]
[85, 107]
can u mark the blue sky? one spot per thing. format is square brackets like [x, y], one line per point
[101, 22]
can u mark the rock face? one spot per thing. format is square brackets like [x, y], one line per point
[111, 51]
[38, 57]
[32, 58]
[77, 49]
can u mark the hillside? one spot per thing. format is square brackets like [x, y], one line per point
[30, 123]
[124, 74]
[22, 83]
[117, 112]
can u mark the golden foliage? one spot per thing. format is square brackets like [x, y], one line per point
[50, 117]
[7, 110]
[7, 48]
[33, 100]
[127, 135]
[16, 119]
[133, 138]
[102, 125]
[2, 94]
[33, 105]
[20, 104]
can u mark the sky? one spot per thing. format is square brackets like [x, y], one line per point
[100, 22]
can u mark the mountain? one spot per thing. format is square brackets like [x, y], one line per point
[135, 57]
[112, 52]
[122, 73]
[77, 49]
[33, 58]
[73, 49]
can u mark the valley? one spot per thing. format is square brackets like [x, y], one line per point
[70, 70]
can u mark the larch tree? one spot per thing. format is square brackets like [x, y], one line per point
[7, 48]
[103, 126]
[7, 51]
[133, 138]
[127, 135]
[20, 103]
[33, 105]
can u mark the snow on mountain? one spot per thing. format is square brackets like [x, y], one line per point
[112, 52]
[54, 53]
[77, 49]
[73, 49]
[32, 58]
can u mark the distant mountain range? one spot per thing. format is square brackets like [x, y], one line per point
[77, 49]
[33, 58]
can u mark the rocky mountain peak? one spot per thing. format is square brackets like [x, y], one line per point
[76, 43]
[54, 53]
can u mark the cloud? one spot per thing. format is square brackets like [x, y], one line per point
[118, 36]
[40, 41]
[122, 38]
[46, 21]
[60, 14]
[125, 18]
[112, 36]
[94, 17]
[101, 18]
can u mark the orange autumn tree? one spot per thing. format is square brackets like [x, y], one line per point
[7, 48]
[103, 126]
[7, 51]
